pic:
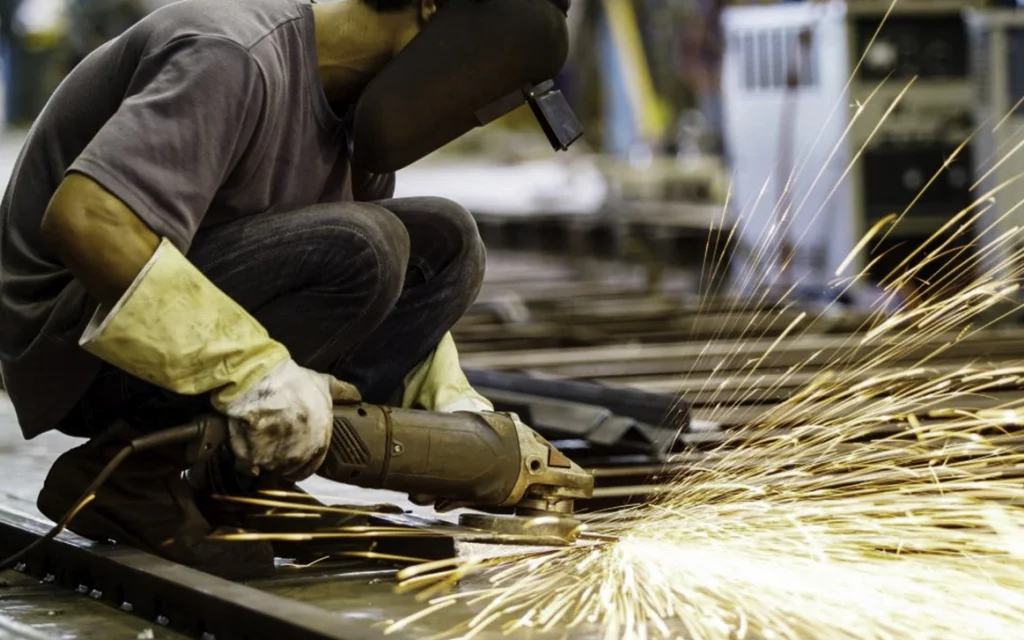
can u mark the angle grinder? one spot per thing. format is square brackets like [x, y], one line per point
[484, 461]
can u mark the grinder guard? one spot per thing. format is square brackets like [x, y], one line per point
[475, 61]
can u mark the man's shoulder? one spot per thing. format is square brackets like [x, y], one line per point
[244, 22]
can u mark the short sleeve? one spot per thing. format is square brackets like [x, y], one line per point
[187, 118]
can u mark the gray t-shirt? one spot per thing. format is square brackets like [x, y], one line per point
[204, 112]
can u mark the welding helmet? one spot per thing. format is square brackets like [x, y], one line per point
[473, 62]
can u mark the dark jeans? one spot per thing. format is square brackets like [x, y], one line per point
[363, 291]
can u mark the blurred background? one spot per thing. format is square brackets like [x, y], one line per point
[730, 146]
[701, 241]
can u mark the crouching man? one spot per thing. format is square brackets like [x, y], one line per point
[184, 229]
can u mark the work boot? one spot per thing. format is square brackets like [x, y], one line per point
[147, 504]
[215, 482]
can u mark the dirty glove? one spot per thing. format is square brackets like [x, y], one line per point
[284, 422]
[439, 384]
[175, 329]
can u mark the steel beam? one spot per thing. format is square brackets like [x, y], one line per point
[742, 383]
[169, 594]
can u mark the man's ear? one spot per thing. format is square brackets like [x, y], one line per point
[427, 10]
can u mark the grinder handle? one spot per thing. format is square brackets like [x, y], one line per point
[467, 457]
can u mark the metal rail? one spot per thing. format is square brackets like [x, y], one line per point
[660, 345]
[171, 595]
[582, 320]
[740, 383]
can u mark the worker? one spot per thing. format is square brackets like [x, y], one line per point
[184, 230]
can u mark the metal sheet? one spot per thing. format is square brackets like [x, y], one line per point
[559, 419]
[649, 408]
[11, 630]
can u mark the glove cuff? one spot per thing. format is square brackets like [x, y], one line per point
[175, 329]
[439, 384]
[473, 402]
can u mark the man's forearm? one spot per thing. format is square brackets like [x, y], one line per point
[100, 240]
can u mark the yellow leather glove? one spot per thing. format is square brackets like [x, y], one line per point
[175, 329]
[439, 384]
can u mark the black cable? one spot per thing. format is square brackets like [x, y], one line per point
[174, 435]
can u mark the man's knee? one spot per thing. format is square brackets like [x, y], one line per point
[378, 243]
[356, 247]
[468, 257]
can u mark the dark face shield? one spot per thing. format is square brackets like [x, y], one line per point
[475, 61]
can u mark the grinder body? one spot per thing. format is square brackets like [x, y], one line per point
[474, 459]
[414, 452]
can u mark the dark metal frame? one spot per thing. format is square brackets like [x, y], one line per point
[169, 594]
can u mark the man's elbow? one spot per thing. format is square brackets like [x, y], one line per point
[82, 215]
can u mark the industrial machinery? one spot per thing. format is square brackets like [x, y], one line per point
[824, 146]
[997, 63]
